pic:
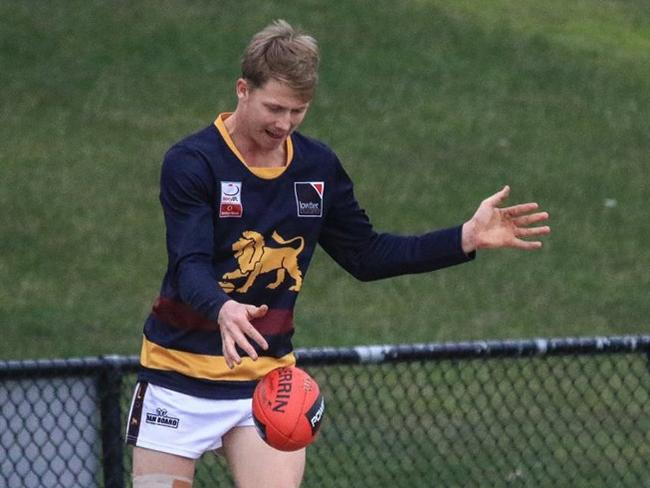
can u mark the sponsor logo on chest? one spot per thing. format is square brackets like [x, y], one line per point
[309, 198]
[231, 203]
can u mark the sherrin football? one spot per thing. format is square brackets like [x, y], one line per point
[288, 408]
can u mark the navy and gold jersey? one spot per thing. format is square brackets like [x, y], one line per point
[248, 234]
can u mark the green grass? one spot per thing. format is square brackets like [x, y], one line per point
[432, 106]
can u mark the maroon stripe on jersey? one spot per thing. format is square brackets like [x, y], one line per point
[276, 321]
[181, 315]
[178, 314]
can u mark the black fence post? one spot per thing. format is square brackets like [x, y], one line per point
[109, 385]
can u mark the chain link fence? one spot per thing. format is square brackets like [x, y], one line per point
[560, 412]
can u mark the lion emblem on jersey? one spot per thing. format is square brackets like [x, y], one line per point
[255, 258]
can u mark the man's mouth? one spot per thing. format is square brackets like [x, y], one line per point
[276, 135]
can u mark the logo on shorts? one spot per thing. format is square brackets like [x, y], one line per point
[231, 205]
[309, 198]
[161, 418]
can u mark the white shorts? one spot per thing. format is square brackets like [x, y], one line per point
[172, 422]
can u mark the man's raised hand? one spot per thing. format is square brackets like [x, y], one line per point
[494, 227]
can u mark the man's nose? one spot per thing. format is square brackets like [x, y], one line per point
[284, 121]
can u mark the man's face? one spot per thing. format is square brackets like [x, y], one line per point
[270, 113]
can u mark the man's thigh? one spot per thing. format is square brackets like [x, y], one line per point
[154, 469]
[253, 463]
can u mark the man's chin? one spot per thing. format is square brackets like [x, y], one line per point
[271, 142]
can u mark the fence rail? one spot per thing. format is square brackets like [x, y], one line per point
[541, 412]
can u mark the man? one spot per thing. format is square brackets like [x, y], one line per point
[246, 200]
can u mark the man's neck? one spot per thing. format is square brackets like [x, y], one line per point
[255, 156]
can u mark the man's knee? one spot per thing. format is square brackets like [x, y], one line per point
[161, 481]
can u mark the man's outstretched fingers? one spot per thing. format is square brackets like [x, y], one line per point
[520, 209]
[499, 197]
[532, 231]
[257, 312]
[252, 332]
[229, 352]
[531, 219]
[247, 347]
[257, 337]
[527, 245]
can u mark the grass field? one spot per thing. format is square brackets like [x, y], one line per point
[432, 105]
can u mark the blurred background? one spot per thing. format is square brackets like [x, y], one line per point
[432, 105]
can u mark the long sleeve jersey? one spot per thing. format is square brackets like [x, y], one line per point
[248, 234]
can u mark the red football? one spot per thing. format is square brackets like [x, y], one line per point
[288, 408]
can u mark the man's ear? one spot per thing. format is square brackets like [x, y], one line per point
[242, 88]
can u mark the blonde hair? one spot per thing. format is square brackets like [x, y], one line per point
[285, 54]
